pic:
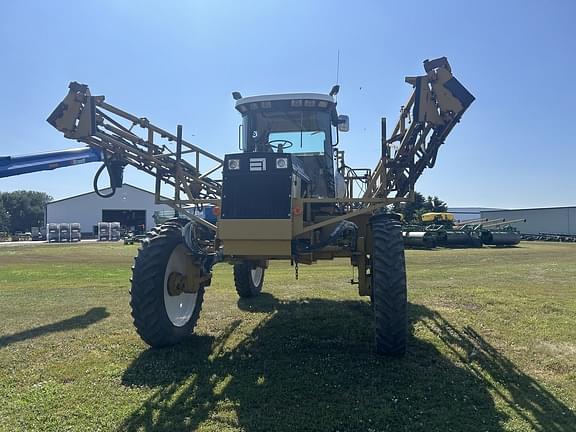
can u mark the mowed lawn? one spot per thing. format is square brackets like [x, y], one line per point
[492, 347]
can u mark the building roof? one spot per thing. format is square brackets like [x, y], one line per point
[105, 190]
[470, 209]
[534, 208]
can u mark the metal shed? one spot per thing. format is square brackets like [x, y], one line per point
[553, 220]
[467, 213]
[131, 206]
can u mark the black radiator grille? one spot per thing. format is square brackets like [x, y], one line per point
[256, 194]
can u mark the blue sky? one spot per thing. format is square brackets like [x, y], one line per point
[178, 62]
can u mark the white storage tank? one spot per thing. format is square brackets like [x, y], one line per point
[75, 232]
[52, 233]
[103, 231]
[64, 230]
[114, 231]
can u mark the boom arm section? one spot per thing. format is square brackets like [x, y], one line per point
[125, 139]
[434, 108]
[16, 165]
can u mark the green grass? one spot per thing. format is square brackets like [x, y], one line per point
[492, 348]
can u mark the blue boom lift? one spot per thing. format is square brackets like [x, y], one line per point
[16, 165]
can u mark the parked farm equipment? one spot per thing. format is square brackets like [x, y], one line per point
[441, 229]
[420, 239]
[282, 197]
[570, 238]
[502, 233]
[497, 232]
[438, 229]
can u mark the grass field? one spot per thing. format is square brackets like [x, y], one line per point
[492, 348]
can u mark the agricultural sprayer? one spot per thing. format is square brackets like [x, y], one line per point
[287, 195]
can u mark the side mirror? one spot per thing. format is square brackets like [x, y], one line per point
[343, 123]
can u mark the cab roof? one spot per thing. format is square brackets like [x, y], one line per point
[256, 101]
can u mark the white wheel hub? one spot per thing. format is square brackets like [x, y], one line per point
[179, 308]
[256, 275]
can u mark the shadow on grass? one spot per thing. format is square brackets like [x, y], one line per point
[80, 321]
[311, 366]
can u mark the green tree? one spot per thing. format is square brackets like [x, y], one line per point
[4, 219]
[435, 204]
[420, 205]
[23, 209]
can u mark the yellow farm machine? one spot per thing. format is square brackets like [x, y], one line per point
[287, 195]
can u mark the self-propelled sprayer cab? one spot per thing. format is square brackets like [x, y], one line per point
[301, 124]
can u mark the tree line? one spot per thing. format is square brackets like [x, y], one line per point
[412, 211]
[21, 210]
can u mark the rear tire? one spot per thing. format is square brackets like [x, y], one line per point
[248, 279]
[389, 291]
[162, 319]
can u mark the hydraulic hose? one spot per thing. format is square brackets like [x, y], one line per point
[189, 235]
[115, 168]
[95, 183]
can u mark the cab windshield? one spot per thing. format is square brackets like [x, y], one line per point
[302, 132]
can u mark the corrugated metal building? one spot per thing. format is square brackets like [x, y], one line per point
[131, 206]
[552, 220]
[467, 213]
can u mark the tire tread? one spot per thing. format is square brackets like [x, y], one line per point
[389, 287]
[243, 281]
[147, 298]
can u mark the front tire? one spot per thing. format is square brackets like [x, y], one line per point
[163, 319]
[248, 279]
[389, 290]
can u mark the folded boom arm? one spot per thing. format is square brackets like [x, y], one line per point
[434, 108]
[125, 139]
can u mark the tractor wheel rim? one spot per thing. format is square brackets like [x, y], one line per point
[179, 308]
[256, 275]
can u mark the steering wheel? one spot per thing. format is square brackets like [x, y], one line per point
[279, 147]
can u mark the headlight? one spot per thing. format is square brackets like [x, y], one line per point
[282, 163]
[233, 164]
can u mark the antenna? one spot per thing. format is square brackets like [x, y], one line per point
[338, 68]
[337, 77]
